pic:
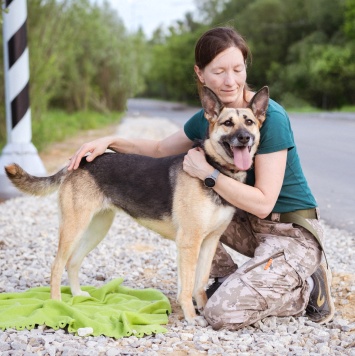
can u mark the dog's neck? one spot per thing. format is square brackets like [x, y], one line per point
[228, 170]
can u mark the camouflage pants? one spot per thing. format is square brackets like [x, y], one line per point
[273, 281]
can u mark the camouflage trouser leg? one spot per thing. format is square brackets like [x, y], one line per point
[238, 236]
[273, 281]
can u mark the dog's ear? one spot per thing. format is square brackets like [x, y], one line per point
[259, 103]
[211, 104]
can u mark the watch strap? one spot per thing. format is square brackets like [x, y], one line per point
[215, 174]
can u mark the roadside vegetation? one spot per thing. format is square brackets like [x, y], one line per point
[84, 64]
[58, 125]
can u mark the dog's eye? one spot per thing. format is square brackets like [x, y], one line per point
[228, 123]
[249, 122]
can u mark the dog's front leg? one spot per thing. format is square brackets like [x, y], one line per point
[188, 250]
[207, 252]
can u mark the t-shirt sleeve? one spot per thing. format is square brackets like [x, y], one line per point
[276, 133]
[196, 126]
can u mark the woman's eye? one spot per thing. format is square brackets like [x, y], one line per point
[228, 123]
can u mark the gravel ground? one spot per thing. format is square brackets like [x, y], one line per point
[28, 239]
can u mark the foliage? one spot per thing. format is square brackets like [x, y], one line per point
[81, 58]
[93, 63]
[173, 76]
[302, 49]
[170, 74]
[349, 24]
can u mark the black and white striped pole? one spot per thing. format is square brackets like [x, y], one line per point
[19, 147]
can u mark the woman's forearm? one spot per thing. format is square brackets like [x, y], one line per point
[137, 146]
[172, 145]
[245, 197]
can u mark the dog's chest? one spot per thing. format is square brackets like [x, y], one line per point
[218, 215]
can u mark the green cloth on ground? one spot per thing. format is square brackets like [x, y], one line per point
[112, 310]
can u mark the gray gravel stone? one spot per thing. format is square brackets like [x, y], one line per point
[28, 239]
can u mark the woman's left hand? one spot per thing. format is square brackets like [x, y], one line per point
[195, 164]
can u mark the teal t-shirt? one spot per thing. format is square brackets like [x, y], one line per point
[275, 135]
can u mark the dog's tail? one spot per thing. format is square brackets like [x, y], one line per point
[34, 185]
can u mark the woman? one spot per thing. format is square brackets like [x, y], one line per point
[284, 275]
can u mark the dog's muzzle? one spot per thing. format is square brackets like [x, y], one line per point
[238, 147]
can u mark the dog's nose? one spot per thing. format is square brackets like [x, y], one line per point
[243, 138]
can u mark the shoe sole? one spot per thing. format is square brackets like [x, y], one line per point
[331, 302]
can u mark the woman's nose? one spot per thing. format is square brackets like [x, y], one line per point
[229, 78]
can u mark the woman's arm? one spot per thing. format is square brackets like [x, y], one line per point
[173, 144]
[259, 199]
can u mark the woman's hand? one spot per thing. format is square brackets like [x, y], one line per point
[91, 149]
[195, 164]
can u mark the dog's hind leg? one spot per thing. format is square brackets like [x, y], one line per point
[70, 231]
[94, 234]
[79, 200]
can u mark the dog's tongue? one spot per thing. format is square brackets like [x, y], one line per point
[242, 159]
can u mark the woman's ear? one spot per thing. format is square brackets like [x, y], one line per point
[199, 74]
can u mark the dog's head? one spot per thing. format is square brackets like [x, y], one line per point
[234, 134]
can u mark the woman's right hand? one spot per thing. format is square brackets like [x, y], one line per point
[92, 149]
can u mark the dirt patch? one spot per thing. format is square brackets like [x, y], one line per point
[57, 155]
[141, 248]
[344, 296]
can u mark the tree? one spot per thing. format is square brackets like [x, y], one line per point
[349, 23]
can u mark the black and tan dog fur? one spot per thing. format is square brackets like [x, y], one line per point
[158, 194]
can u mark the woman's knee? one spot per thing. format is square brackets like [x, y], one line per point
[214, 314]
[233, 305]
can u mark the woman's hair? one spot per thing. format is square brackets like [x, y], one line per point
[215, 41]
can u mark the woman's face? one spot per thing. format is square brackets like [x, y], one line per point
[226, 76]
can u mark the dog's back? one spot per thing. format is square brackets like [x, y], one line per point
[123, 179]
[141, 186]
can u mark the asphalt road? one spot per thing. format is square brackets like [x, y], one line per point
[326, 145]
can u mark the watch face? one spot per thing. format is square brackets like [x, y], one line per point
[210, 182]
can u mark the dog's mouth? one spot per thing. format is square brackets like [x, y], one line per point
[241, 154]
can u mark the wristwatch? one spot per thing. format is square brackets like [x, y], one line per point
[210, 181]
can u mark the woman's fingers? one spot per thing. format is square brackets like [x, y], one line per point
[76, 158]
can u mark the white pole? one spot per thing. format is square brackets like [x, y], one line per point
[19, 148]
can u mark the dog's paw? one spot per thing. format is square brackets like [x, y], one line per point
[82, 294]
[201, 321]
[197, 321]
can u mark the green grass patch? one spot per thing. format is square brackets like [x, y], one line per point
[350, 108]
[303, 109]
[58, 125]
[310, 109]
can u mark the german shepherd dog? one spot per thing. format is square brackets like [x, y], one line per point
[158, 194]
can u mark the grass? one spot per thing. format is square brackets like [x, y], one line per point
[57, 125]
[304, 109]
[348, 108]
[310, 109]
